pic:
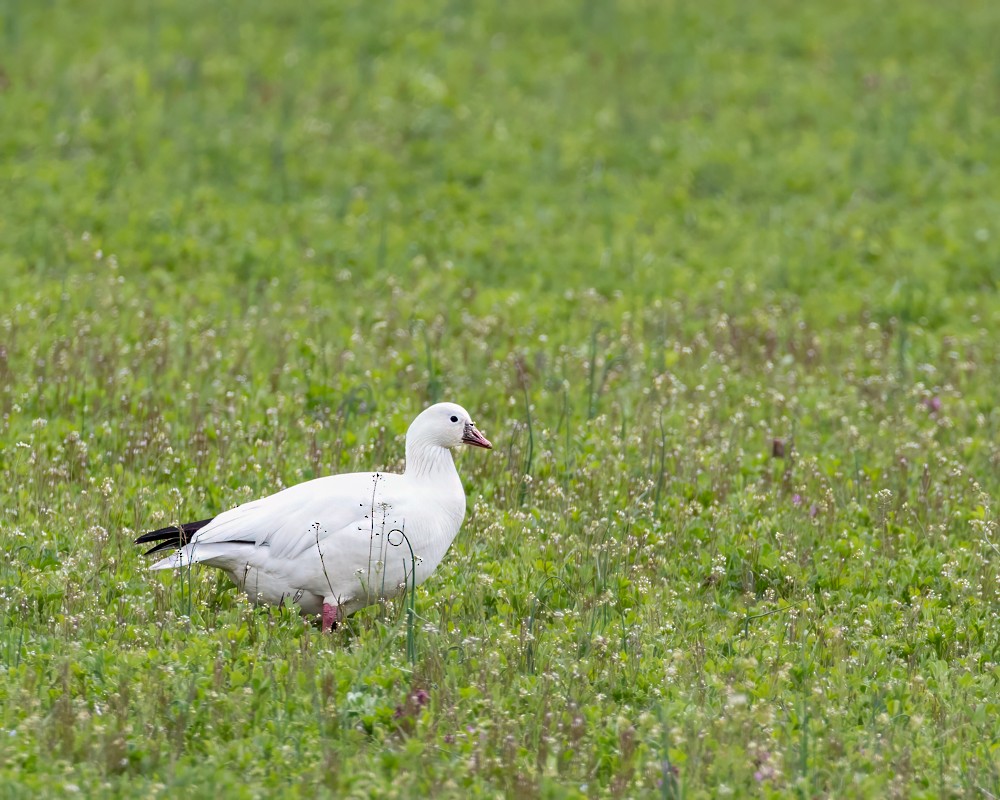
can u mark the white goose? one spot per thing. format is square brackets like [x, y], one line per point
[336, 544]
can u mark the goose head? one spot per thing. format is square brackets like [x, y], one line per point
[446, 425]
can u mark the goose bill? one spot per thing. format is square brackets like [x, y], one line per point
[475, 438]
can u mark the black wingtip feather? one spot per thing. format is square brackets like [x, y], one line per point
[173, 536]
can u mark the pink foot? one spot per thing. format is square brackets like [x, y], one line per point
[330, 617]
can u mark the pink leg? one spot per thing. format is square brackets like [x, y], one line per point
[330, 617]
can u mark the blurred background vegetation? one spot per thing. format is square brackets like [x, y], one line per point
[843, 156]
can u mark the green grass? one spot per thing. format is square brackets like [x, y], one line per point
[720, 281]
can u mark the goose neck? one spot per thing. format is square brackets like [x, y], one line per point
[424, 460]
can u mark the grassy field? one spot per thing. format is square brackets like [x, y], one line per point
[719, 279]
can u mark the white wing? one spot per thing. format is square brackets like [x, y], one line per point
[337, 510]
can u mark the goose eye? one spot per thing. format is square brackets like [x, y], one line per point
[454, 418]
